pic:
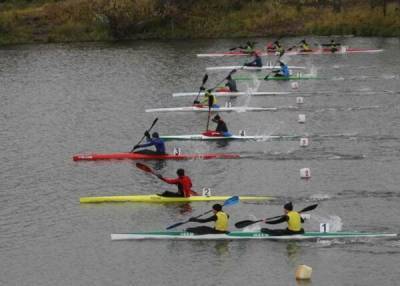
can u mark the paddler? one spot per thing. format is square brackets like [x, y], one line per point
[220, 218]
[292, 218]
[248, 48]
[256, 62]
[209, 99]
[283, 71]
[221, 126]
[304, 46]
[231, 84]
[155, 141]
[277, 48]
[333, 46]
[183, 182]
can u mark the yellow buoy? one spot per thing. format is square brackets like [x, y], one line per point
[303, 272]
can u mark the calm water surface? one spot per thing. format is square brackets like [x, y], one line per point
[60, 100]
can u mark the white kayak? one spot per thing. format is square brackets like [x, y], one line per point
[232, 94]
[266, 67]
[202, 137]
[242, 235]
[219, 109]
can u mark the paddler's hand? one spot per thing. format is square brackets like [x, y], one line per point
[202, 88]
[147, 134]
[159, 176]
[135, 147]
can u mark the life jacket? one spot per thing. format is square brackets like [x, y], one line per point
[185, 186]
[294, 222]
[206, 100]
[222, 223]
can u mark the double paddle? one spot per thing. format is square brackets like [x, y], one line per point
[205, 78]
[229, 202]
[147, 169]
[244, 223]
[148, 130]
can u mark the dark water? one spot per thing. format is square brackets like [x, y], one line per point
[59, 100]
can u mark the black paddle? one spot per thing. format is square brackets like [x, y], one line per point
[205, 78]
[229, 74]
[229, 202]
[147, 169]
[244, 223]
[148, 130]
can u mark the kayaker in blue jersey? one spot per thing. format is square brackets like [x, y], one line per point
[283, 71]
[293, 220]
[257, 61]
[155, 141]
[221, 222]
[221, 126]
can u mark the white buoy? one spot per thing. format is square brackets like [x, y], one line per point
[302, 118]
[295, 85]
[177, 151]
[242, 133]
[304, 142]
[305, 173]
[299, 100]
[303, 272]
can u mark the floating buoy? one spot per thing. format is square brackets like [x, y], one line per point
[242, 133]
[299, 100]
[302, 118]
[303, 272]
[295, 85]
[304, 142]
[305, 173]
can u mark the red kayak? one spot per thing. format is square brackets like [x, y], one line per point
[138, 156]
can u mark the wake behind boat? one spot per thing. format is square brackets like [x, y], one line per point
[242, 235]
[138, 156]
[160, 199]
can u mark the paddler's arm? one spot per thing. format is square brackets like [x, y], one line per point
[211, 218]
[169, 180]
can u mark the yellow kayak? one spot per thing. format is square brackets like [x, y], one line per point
[161, 199]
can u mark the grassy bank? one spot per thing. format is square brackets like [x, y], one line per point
[104, 20]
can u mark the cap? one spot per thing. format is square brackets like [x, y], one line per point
[217, 207]
[216, 118]
[288, 206]
[155, 135]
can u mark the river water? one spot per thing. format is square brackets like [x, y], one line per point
[62, 99]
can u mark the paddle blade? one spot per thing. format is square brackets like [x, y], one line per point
[144, 167]
[205, 78]
[244, 223]
[231, 201]
[309, 208]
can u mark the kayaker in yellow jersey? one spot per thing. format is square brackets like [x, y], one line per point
[304, 46]
[248, 48]
[333, 46]
[276, 48]
[221, 222]
[293, 220]
[209, 99]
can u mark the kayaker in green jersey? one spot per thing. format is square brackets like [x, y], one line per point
[292, 218]
[256, 62]
[220, 218]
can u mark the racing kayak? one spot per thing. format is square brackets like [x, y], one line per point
[241, 235]
[297, 76]
[318, 51]
[218, 109]
[232, 94]
[161, 199]
[266, 67]
[138, 156]
[203, 137]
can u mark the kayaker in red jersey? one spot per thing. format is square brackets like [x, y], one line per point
[183, 182]
[293, 219]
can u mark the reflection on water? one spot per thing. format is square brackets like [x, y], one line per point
[293, 250]
[222, 247]
[185, 208]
